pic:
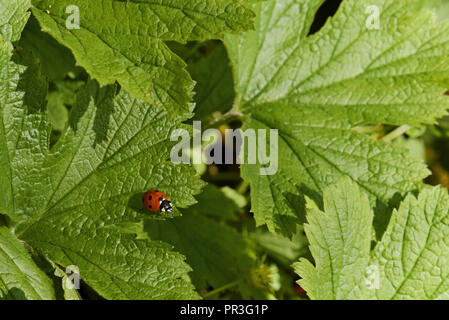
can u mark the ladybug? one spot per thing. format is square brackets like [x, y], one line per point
[155, 200]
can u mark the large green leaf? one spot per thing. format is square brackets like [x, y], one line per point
[217, 254]
[413, 256]
[315, 89]
[56, 60]
[20, 278]
[20, 142]
[65, 202]
[124, 40]
[13, 17]
[340, 239]
[410, 262]
[214, 90]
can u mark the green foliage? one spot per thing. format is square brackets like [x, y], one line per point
[215, 90]
[87, 114]
[56, 61]
[59, 99]
[441, 7]
[282, 249]
[210, 197]
[13, 17]
[55, 208]
[20, 277]
[217, 253]
[314, 89]
[123, 41]
[410, 262]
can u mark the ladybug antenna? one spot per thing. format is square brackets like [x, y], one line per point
[166, 206]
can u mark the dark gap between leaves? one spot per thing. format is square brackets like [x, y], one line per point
[327, 10]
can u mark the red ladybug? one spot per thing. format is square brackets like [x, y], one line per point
[155, 200]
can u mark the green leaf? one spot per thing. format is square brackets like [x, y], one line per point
[23, 132]
[117, 266]
[414, 252]
[217, 254]
[57, 112]
[282, 249]
[410, 262]
[315, 89]
[340, 239]
[214, 87]
[13, 17]
[65, 202]
[207, 202]
[20, 278]
[123, 41]
[112, 141]
[59, 99]
[441, 7]
[56, 60]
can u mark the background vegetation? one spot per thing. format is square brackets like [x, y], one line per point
[86, 117]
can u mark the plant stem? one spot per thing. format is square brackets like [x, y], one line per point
[396, 133]
[218, 290]
[242, 187]
[227, 117]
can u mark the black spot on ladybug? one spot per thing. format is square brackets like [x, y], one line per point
[149, 197]
[149, 205]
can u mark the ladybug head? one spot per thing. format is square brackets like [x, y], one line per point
[166, 206]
